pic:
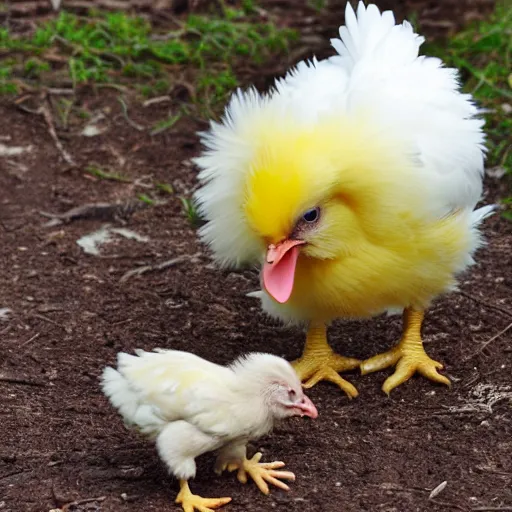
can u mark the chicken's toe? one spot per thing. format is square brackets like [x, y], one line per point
[328, 374]
[408, 357]
[320, 362]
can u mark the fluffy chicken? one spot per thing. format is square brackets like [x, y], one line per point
[353, 184]
[192, 406]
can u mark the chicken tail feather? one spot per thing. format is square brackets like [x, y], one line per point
[482, 213]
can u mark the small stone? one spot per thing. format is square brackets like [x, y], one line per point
[496, 172]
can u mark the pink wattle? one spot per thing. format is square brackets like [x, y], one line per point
[278, 277]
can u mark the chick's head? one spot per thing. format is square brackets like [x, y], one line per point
[273, 380]
[319, 195]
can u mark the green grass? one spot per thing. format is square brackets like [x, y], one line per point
[106, 175]
[166, 188]
[190, 209]
[116, 48]
[483, 54]
[146, 199]
[165, 124]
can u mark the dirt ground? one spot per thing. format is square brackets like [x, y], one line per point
[71, 312]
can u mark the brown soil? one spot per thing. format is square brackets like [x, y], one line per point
[60, 440]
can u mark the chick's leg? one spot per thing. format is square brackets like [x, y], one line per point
[178, 444]
[320, 362]
[409, 356]
[233, 457]
[191, 502]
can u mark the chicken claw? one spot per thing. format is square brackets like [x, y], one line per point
[262, 473]
[191, 502]
[409, 356]
[320, 362]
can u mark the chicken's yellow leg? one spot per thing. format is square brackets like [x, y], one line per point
[320, 362]
[191, 502]
[261, 473]
[409, 356]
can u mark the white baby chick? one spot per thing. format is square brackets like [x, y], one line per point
[192, 406]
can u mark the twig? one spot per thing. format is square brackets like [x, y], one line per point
[53, 322]
[45, 111]
[161, 266]
[449, 505]
[437, 490]
[55, 91]
[121, 322]
[28, 341]
[117, 87]
[96, 211]
[19, 104]
[487, 343]
[486, 304]
[67, 506]
[480, 469]
[4, 477]
[127, 117]
[153, 101]
[19, 380]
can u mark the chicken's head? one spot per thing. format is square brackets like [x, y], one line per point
[318, 196]
[286, 398]
[286, 191]
[273, 379]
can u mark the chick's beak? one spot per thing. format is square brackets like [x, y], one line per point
[279, 268]
[307, 408]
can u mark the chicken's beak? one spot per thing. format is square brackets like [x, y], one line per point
[307, 408]
[275, 253]
[279, 268]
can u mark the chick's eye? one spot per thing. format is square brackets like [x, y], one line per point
[292, 394]
[311, 215]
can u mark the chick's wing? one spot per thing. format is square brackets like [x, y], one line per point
[180, 386]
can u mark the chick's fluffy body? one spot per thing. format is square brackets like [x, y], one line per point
[383, 142]
[192, 406]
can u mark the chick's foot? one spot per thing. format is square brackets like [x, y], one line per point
[408, 357]
[191, 502]
[320, 362]
[262, 473]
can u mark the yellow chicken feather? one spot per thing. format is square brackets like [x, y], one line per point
[354, 184]
[375, 248]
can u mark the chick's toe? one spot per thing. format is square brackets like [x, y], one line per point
[262, 473]
[191, 502]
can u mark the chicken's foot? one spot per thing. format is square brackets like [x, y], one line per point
[261, 473]
[409, 356]
[191, 502]
[320, 362]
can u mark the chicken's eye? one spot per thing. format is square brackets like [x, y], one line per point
[292, 394]
[311, 215]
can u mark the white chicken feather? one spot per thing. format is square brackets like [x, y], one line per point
[192, 406]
